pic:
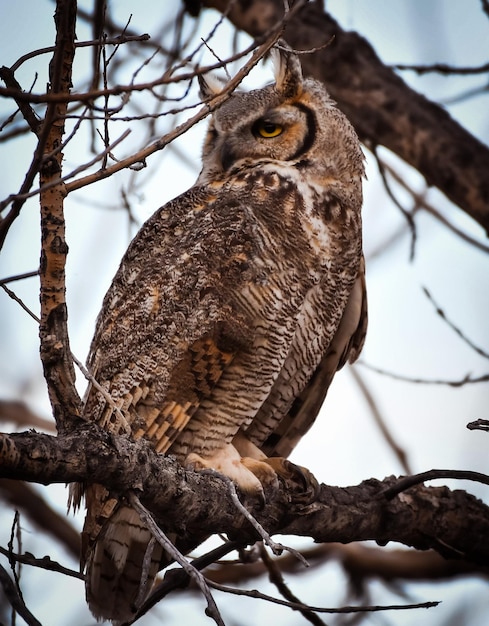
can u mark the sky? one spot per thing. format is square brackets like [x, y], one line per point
[405, 335]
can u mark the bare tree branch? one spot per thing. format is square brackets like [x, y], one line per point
[421, 203]
[468, 379]
[358, 561]
[399, 452]
[275, 576]
[43, 563]
[15, 599]
[443, 68]
[96, 44]
[409, 481]
[53, 332]
[21, 496]
[441, 313]
[479, 424]
[20, 414]
[11, 279]
[30, 116]
[453, 523]
[317, 609]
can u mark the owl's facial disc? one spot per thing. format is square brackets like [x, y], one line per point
[281, 133]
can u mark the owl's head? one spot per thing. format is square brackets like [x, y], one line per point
[292, 122]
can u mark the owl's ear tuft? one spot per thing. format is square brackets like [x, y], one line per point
[210, 85]
[287, 70]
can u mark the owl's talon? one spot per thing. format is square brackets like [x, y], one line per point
[298, 479]
[263, 471]
[242, 471]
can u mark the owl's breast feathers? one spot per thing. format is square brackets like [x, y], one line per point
[221, 310]
[227, 269]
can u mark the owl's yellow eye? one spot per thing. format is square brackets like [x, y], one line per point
[268, 129]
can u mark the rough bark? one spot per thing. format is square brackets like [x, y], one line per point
[453, 523]
[55, 346]
[383, 109]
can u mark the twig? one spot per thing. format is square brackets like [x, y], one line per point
[467, 380]
[456, 329]
[465, 95]
[170, 549]
[16, 532]
[12, 295]
[421, 202]
[177, 578]
[210, 106]
[11, 279]
[28, 113]
[44, 563]
[309, 50]
[116, 41]
[391, 194]
[103, 392]
[216, 56]
[479, 424]
[410, 481]
[203, 41]
[390, 240]
[276, 548]
[443, 68]
[143, 584]
[277, 579]
[15, 600]
[58, 181]
[379, 420]
[18, 200]
[117, 90]
[21, 495]
[253, 593]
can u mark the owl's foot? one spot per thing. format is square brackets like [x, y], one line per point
[250, 475]
[299, 480]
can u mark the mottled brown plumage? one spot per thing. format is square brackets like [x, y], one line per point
[231, 311]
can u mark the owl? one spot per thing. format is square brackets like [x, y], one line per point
[231, 311]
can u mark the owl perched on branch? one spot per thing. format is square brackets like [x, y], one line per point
[231, 311]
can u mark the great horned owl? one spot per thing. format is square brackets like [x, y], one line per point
[231, 310]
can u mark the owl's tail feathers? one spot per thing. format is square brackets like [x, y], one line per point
[119, 573]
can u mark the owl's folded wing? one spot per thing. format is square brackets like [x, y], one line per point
[346, 345]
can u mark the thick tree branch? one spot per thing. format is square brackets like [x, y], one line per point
[55, 347]
[453, 523]
[383, 109]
